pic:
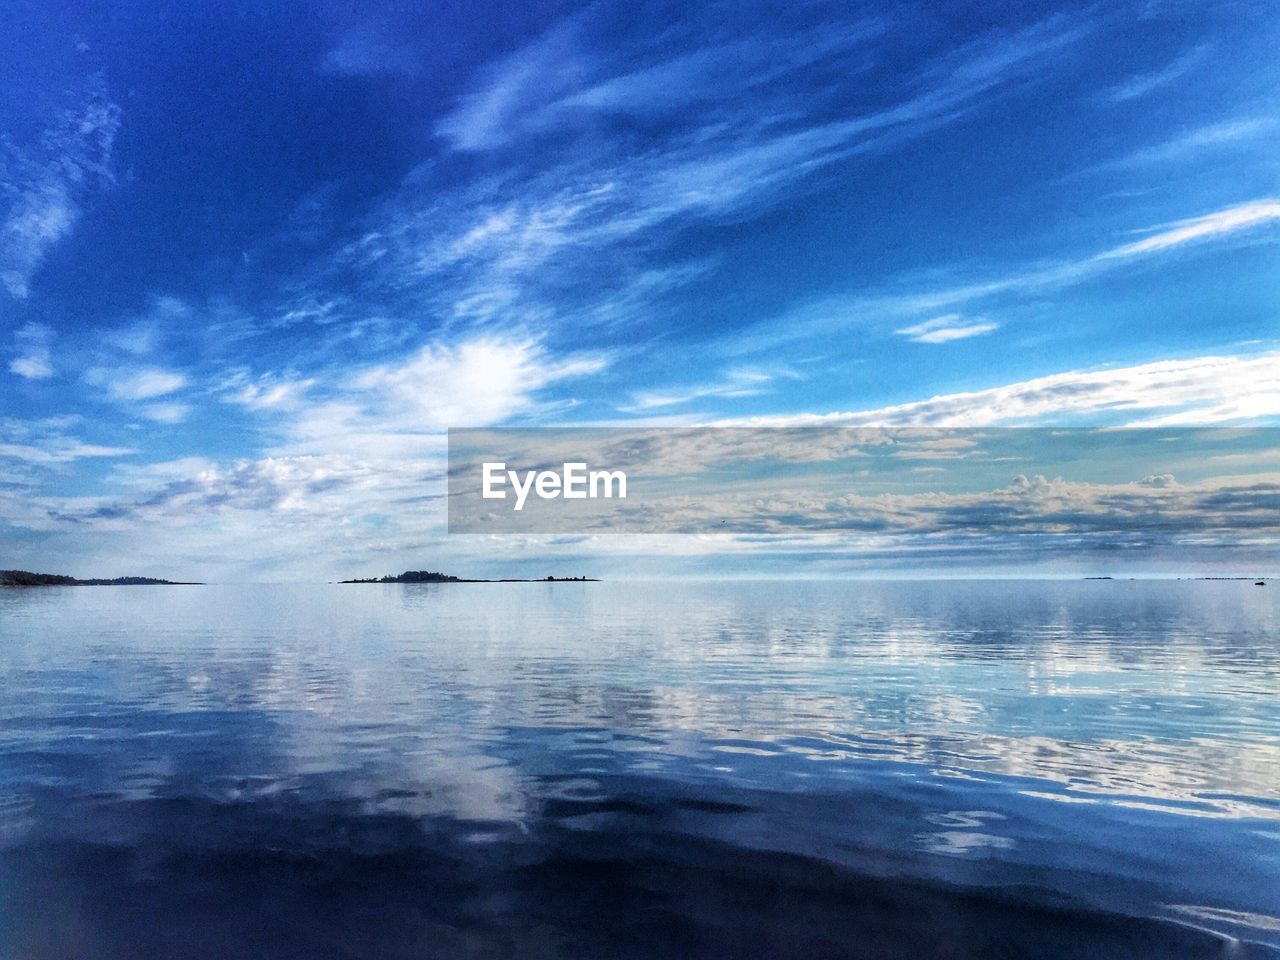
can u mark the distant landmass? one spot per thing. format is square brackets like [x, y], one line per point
[1257, 583]
[431, 576]
[25, 578]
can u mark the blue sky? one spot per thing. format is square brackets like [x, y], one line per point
[254, 260]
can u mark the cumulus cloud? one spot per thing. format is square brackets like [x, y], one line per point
[319, 486]
[918, 481]
[831, 481]
[359, 469]
[345, 506]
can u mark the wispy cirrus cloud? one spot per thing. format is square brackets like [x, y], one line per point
[142, 384]
[48, 442]
[1222, 133]
[60, 450]
[562, 81]
[736, 383]
[371, 49]
[267, 392]
[141, 389]
[34, 360]
[583, 194]
[1145, 83]
[1227, 223]
[1245, 222]
[1220, 223]
[45, 186]
[953, 326]
[144, 333]
[1200, 390]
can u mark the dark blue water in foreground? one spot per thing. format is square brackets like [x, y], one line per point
[1084, 769]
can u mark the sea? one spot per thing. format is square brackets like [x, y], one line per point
[935, 769]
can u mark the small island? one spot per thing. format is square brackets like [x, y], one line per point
[431, 576]
[25, 578]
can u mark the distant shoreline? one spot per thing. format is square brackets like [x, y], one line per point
[25, 578]
[1175, 579]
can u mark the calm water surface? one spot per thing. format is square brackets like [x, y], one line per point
[1083, 769]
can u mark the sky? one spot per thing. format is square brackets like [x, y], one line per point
[255, 260]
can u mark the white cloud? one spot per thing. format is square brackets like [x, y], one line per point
[47, 443]
[318, 485]
[945, 329]
[518, 249]
[165, 412]
[369, 50]
[821, 317]
[358, 474]
[163, 471]
[140, 391]
[60, 452]
[46, 187]
[1218, 134]
[560, 82]
[545, 69]
[31, 367]
[142, 334]
[267, 393]
[137, 383]
[1067, 514]
[401, 409]
[34, 360]
[1217, 224]
[737, 383]
[479, 381]
[1212, 389]
[1142, 84]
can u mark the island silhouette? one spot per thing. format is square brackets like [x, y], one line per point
[26, 578]
[431, 576]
